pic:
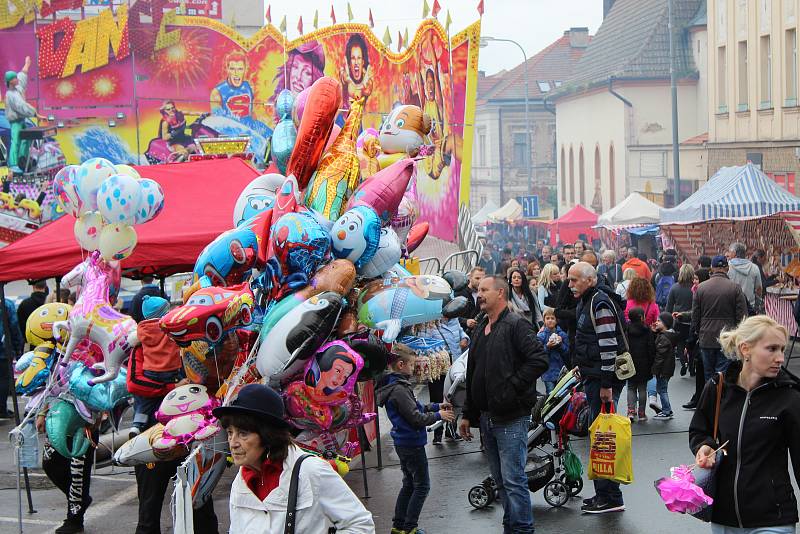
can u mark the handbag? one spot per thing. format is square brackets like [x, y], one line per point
[706, 479]
[623, 364]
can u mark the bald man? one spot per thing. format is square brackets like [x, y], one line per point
[597, 338]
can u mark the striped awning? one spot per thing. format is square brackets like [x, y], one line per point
[733, 193]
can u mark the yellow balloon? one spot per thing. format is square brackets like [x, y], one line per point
[127, 170]
[87, 230]
[117, 241]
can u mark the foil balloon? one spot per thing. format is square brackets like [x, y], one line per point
[65, 190]
[416, 235]
[319, 113]
[406, 215]
[230, 258]
[39, 326]
[66, 429]
[257, 197]
[300, 245]
[393, 303]
[404, 130]
[118, 199]
[328, 380]
[365, 134]
[87, 230]
[151, 202]
[372, 350]
[389, 253]
[356, 235]
[335, 131]
[99, 397]
[285, 134]
[35, 368]
[88, 178]
[456, 280]
[300, 105]
[368, 156]
[384, 191]
[186, 415]
[338, 171]
[127, 170]
[93, 318]
[140, 451]
[337, 276]
[117, 241]
[297, 335]
[206, 467]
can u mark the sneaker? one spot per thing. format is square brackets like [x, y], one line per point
[589, 501]
[631, 415]
[654, 403]
[133, 432]
[437, 440]
[691, 405]
[642, 416]
[602, 507]
[70, 526]
[683, 369]
[664, 416]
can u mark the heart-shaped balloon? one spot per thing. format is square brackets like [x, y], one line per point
[119, 198]
[151, 202]
[117, 241]
[87, 230]
[91, 174]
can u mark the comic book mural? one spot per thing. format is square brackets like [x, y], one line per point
[144, 92]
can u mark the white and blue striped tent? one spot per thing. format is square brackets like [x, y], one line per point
[733, 193]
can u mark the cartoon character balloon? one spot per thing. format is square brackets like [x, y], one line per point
[389, 253]
[384, 191]
[356, 235]
[300, 244]
[186, 415]
[403, 132]
[66, 429]
[257, 197]
[140, 450]
[100, 397]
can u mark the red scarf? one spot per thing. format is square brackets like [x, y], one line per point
[263, 482]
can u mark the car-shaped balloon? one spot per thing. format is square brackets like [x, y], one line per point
[209, 313]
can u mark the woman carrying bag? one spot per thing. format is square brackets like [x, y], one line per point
[272, 468]
[758, 415]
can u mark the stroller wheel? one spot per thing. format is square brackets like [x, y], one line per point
[556, 494]
[479, 497]
[575, 487]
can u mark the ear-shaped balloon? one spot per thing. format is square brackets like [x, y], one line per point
[389, 253]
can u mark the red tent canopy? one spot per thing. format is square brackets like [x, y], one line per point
[198, 206]
[569, 226]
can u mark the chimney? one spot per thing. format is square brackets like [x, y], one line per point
[578, 37]
[481, 74]
[607, 5]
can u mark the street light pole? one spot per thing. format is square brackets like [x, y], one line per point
[676, 157]
[484, 41]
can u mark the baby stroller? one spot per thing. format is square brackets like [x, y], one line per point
[559, 471]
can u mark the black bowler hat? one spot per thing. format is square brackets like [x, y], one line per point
[259, 401]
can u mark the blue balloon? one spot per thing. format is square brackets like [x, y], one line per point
[301, 245]
[229, 259]
[102, 397]
[285, 134]
[356, 235]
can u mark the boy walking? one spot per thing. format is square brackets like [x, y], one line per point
[409, 419]
[664, 362]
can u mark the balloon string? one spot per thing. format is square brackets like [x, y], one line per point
[714, 453]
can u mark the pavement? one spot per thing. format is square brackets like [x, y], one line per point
[454, 469]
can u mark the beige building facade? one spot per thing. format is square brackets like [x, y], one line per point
[754, 112]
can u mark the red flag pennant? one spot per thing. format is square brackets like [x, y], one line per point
[436, 8]
[399, 41]
[269, 13]
[333, 15]
[300, 25]
[480, 8]
[371, 22]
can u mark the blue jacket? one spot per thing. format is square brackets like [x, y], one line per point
[408, 416]
[556, 354]
[16, 334]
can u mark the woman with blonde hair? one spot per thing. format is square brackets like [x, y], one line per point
[622, 288]
[549, 284]
[758, 416]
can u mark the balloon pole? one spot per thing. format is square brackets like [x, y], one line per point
[378, 434]
[19, 493]
[9, 350]
[361, 442]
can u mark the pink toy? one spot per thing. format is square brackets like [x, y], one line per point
[94, 319]
[679, 492]
[384, 190]
[186, 415]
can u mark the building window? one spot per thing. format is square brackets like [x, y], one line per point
[563, 176]
[520, 149]
[612, 186]
[582, 177]
[742, 75]
[766, 73]
[557, 83]
[791, 67]
[722, 81]
[482, 147]
[544, 87]
[571, 176]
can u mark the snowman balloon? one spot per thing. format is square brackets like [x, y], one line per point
[356, 235]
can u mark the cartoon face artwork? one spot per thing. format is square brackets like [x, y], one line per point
[39, 327]
[257, 197]
[389, 252]
[356, 235]
[404, 130]
[184, 400]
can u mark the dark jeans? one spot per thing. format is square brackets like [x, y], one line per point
[714, 361]
[151, 485]
[506, 447]
[144, 410]
[416, 485]
[682, 329]
[436, 394]
[5, 385]
[605, 490]
[72, 476]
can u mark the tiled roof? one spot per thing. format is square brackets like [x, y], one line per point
[633, 42]
[696, 140]
[553, 64]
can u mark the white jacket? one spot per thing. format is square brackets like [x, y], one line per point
[324, 500]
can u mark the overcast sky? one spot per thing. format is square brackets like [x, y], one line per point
[533, 23]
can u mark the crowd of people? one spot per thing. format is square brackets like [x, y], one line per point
[530, 313]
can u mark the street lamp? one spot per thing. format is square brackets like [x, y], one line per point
[485, 39]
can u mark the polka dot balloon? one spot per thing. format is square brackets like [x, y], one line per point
[119, 198]
[151, 202]
[91, 174]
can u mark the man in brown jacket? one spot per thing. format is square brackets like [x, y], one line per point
[718, 303]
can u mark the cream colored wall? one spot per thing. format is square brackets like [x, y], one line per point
[699, 42]
[750, 20]
[597, 119]
[693, 163]
[652, 112]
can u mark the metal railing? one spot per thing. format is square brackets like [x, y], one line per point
[460, 261]
[430, 266]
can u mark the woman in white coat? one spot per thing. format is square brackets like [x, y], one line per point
[262, 448]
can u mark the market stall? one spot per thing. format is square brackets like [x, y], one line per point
[634, 221]
[576, 224]
[740, 204]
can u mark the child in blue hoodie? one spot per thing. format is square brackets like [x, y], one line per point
[409, 419]
[556, 343]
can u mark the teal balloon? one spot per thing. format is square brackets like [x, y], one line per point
[66, 429]
[103, 397]
[283, 140]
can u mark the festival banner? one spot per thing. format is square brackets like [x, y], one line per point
[137, 84]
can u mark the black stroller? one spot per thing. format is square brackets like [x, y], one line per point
[545, 470]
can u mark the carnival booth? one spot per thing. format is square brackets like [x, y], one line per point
[482, 217]
[634, 221]
[742, 204]
[571, 226]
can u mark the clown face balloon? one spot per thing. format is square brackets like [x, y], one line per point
[356, 235]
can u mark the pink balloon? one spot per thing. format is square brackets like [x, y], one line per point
[384, 190]
[331, 138]
[300, 105]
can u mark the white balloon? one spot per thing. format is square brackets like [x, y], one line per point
[258, 196]
[117, 241]
[127, 170]
[87, 230]
[90, 175]
[119, 198]
[389, 253]
[151, 202]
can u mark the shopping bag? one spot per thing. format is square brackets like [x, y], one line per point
[610, 455]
